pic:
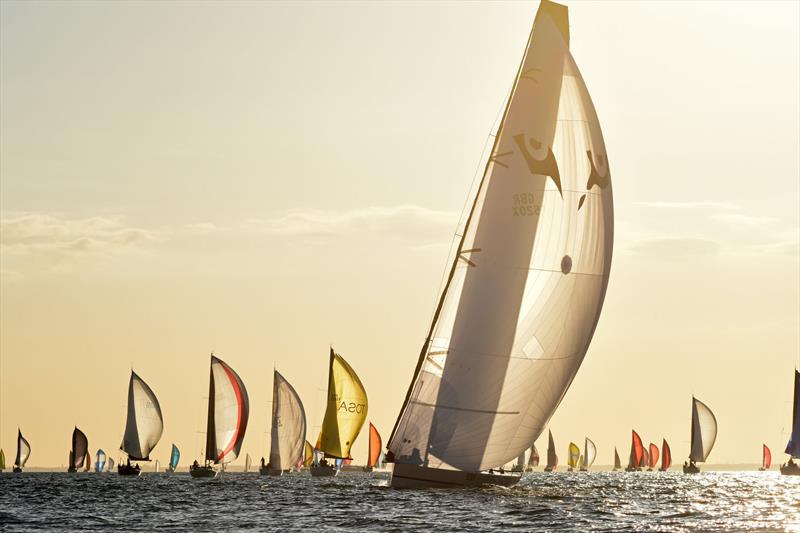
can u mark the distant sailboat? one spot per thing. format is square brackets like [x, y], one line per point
[666, 456]
[288, 433]
[524, 292]
[143, 427]
[247, 462]
[228, 412]
[704, 433]
[23, 452]
[100, 461]
[79, 451]
[344, 415]
[110, 465]
[766, 458]
[174, 457]
[157, 466]
[617, 462]
[552, 458]
[533, 459]
[791, 468]
[375, 447]
[637, 453]
[652, 457]
[2, 460]
[573, 454]
[645, 459]
[308, 454]
[589, 454]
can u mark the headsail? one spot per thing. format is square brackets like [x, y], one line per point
[2, 460]
[375, 446]
[653, 456]
[288, 425]
[793, 447]
[524, 293]
[174, 457]
[80, 448]
[666, 455]
[704, 431]
[573, 454]
[100, 461]
[589, 452]
[645, 459]
[346, 411]
[552, 458]
[637, 450]
[228, 411]
[766, 459]
[617, 462]
[144, 424]
[247, 462]
[23, 450]
[533, 460]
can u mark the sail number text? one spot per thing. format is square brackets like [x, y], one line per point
[524, 205]
[351, 407]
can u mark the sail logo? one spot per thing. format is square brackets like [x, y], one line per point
[543, 167]
[351, 407]
[595, 177]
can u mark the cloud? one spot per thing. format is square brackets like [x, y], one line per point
[676, 248]
[402, 220]
[710, 206]
[741, 219]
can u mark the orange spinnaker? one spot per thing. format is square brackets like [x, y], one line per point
[653, 455]
[375, 445]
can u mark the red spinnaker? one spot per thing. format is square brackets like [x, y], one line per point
[375, 445]
[767, 458]
[666, 455]
[653, 455]
[637, 450]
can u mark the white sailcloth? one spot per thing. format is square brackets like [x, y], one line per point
[528, 279]
[23, 450]
[228, 413]
[589, 452]
[704, 431]
[144, 423]
[288, 425]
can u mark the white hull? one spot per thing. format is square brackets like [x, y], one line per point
[418, 477]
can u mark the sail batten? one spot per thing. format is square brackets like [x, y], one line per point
[288, 425]
[145, 423]
[525, 289]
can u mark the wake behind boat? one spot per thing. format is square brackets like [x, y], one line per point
[536, 245]
[143, 427]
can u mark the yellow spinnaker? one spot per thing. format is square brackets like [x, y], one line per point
[308, 454]
[574, 455]
[346, 411]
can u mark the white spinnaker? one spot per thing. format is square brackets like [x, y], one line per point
[144, 424]
[288, 425]
[526, 293]
[704, 431]
[23, 451]
[589, 452]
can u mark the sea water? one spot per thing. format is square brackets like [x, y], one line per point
[355, 501]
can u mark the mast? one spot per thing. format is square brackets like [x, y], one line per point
[211, 432]
[793, 446]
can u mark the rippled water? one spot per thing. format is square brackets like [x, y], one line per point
[601, 501]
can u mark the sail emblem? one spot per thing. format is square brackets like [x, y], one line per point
[595, 178]
[529, 74]
[545, 167]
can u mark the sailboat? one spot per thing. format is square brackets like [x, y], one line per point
[533, 459]
[100, 461]
[228, 411]
[704, 433]
[519, 464]
[617, 462]
[666, 456]
[589, 454]
[637, 453]
[143, 427]
[791, 468]
[766, 458]
[645, 459]
[157, 466]
[527, 282]
[2, 460]
[174, 457]
[552, 458]
[247, 462]
[573, 454]
[652, 457]
[375, 447]
[308, 454]
[110, 465]
[79, 451]
[23, 452]
[344, 416]
[288, 428]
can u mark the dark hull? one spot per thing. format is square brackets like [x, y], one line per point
[202, 471]
[420, 477]
[267, 471]
[128, 470]
[790, 470]
[691, 469]
[323, 471]
[17, 470]
[633, 469]
[71, 470]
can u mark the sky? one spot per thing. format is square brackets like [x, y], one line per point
[268, 179]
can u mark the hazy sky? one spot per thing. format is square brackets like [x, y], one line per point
[265, 179]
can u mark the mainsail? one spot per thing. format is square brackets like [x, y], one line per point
[617, 462]
[228, 411]
[793, 447]
[573, 454]
[346, 410]
[110, 465]
[589, 452]
[247, 462]
[375, 446]
[2, 460]
[766, 459]
[288, 425]
[174, 457]
[80, 449]
[552, 458]
[144, 423]
[308, 454]
[637, 450]
[666, 455]
[533, 460]
[23, 450]
[653, 456]
[528, 279]
[645, 459]
[100, 461]
[704, 431]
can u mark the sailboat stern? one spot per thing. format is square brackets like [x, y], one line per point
[407, 476]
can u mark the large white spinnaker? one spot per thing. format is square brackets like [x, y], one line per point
[23, 451]
[144, 424]
[288, 425]
[525, 290]
[228, 412]
[589, 452]
[704, 431]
